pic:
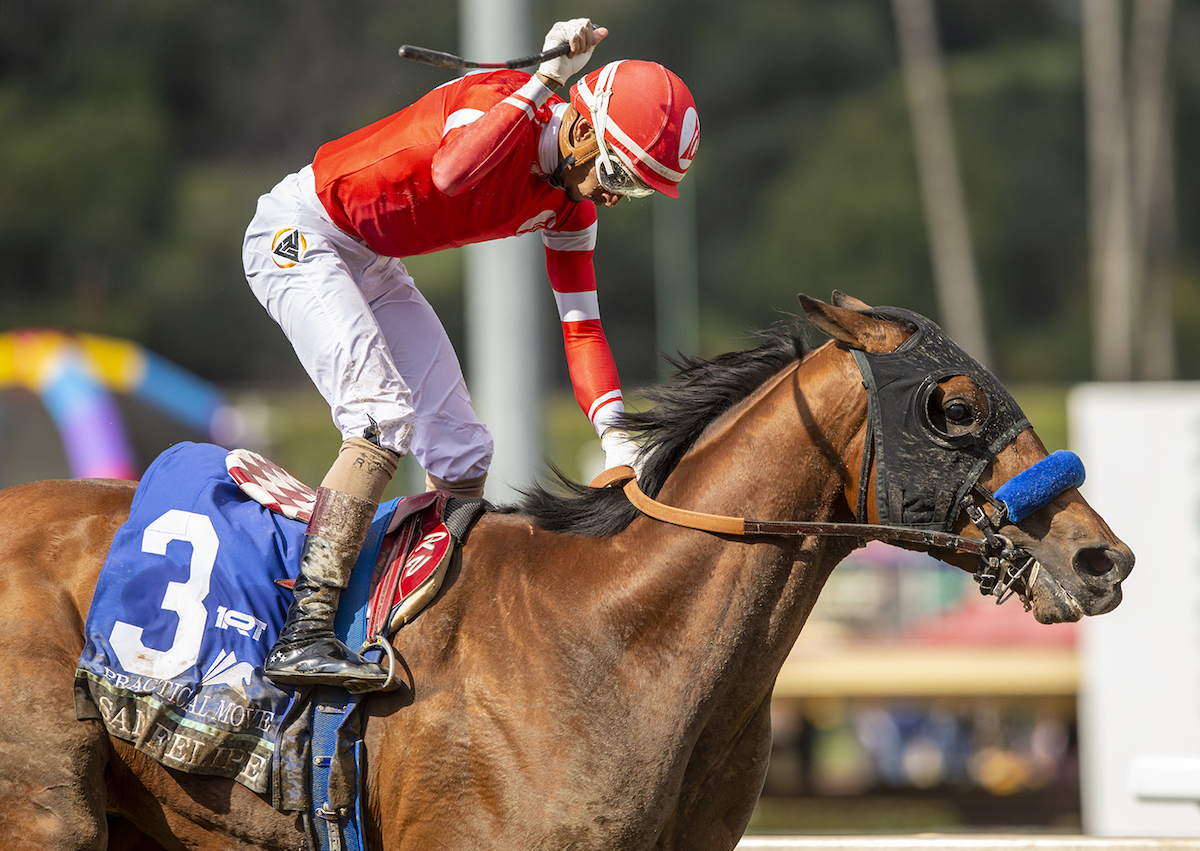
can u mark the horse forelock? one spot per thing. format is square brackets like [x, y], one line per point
[680, 412]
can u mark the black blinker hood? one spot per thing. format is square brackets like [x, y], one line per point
[921, 473]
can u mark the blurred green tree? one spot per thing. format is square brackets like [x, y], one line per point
[136, 136]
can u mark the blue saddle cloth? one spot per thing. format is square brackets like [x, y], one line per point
[184, 613]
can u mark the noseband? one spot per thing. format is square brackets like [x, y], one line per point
[924, 476]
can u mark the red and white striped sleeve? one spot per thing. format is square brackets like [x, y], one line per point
[589, 358]
[475, 141]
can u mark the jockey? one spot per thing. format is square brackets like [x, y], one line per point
[486, 156]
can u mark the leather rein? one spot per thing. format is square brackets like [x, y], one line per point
[1002, 566]
[742, 527]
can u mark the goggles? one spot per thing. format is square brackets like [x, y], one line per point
[618, 178]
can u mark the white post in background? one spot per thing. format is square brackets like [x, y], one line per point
[503, 284]
[1112, 264]
[960, 301]
[1139, 710]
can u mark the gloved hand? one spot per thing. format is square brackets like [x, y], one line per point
[582, 37]
[620, 450]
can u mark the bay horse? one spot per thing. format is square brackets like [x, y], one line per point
[589, 677]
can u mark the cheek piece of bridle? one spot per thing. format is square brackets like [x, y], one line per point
[924, 476]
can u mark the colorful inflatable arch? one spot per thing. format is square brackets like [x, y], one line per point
[73, 375]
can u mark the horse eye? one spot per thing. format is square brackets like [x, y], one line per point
[959, 413]
[956, 407]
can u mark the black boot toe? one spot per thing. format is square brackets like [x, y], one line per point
[325, 661]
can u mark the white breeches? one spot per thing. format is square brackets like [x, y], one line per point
[368, 339]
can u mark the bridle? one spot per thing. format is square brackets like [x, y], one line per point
[900, 438]
[1002, 565]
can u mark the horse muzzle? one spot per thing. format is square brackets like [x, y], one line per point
[1084, 581]
[1060, 577]
[1092, 586]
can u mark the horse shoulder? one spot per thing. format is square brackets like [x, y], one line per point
[503, 547]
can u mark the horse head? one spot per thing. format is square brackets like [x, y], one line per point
[946, 448]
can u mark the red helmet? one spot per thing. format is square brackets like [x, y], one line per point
[647, 117]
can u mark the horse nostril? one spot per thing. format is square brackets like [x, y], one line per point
[1096, 561]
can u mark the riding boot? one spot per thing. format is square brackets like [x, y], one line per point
[308, 651]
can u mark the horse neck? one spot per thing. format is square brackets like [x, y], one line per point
[790, 451]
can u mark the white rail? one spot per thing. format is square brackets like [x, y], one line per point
[976, 842]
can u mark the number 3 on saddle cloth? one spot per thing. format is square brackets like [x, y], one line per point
[412, 558]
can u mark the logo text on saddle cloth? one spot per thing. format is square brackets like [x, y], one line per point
[180, 747]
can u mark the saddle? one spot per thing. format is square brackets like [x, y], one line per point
[415, 551]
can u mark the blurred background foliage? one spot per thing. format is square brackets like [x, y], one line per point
[136, 136]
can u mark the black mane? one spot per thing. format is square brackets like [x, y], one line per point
[705, 389]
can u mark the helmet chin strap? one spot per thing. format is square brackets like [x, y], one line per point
[572, 154]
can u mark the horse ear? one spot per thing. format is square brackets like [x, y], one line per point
[840, 299]
[849, 323]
